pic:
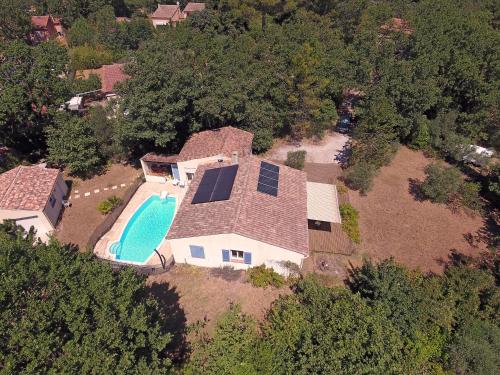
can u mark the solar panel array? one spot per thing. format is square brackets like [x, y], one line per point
[216, 185]
[268, 179]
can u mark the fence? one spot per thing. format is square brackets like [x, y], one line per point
[106, 225]
[143, 270]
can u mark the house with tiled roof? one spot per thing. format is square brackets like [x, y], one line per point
[201, 148]
[166, 14]
[110, 75]
[242, 213]
[191, 8]
[43, 29]
[33, 197]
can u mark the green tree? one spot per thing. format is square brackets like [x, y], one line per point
[231, 350]
[32, 86]
[442, 183]
[14, 19]
[81, 33]
[72, 143]
[61, 311]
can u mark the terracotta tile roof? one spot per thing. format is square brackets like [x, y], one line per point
[26, 188]
[397, 25]
[40, 21]
[111, 75]
[160, 158]
[279, 221]
[165, 11]
[194, 7]
[214, 142]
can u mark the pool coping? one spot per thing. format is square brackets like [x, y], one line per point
[110, 243]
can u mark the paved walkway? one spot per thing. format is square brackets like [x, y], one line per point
[77, 194]
[145, 190]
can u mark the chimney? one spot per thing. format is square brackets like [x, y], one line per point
[234, 157]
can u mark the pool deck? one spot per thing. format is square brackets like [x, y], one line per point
[144, 192]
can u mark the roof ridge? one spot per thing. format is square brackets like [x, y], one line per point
[244, 190]
[19, 167]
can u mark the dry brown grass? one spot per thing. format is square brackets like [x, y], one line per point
[417, 233]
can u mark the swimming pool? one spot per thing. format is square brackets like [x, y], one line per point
[145, 230]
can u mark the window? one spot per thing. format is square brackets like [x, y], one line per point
[189, 176]
[197, 251]
[52, 201]
[237, 254]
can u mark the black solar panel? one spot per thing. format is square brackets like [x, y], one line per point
[268, 179]
[270, 167]
[267, 189]
[224, 185]
[215, 185]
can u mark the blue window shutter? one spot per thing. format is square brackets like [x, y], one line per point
[197, 251]
[225, 255]
[247, 257]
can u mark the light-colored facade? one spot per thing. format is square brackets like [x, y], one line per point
[218, 251]
[44, 221]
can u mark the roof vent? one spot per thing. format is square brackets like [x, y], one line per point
[234, 157]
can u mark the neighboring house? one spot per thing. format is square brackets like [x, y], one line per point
[109, 75]
[32, 196]
[242, 213]
[191, 8]
[166, 15]
[397, 25]
[201, 148]
[43, 29]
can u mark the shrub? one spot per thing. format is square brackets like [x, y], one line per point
[108, 205]
[86, 57]
[296, 159]
[85, 85]
[469, 196]
[441, 183]
[360, 176]
[350, 222]
[262, 277]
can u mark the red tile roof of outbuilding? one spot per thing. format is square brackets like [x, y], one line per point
[165, 11]
[40, 21]
[111, 75]
[27, 188]
[194, 7]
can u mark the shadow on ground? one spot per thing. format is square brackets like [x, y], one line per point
[227, 273]
[415, 189]
[173, 318]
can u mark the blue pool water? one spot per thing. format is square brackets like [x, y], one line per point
[145, 230]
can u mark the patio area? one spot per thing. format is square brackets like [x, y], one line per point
[143, 192]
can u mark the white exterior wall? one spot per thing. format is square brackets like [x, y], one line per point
[190, 166]
[262, 253]
[159, 22]
[26, 219]
[59, 192]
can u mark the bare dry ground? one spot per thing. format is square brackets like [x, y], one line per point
[325, 150]
[79, 221]
[204, 294]
[394, 223]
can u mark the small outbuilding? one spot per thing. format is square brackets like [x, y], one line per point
[33, 197]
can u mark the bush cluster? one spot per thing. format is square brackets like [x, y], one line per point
[108, 205]
[262, 277]
[350, 222]
[446, 185]
[296, 159]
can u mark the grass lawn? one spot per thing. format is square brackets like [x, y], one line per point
[394, 223]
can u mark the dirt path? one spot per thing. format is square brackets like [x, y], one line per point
[418, 234]
[324, 151]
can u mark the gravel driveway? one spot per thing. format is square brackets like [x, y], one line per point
[324, 151]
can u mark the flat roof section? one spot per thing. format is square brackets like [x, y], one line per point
[322, 202]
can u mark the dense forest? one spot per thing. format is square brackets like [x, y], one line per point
[420, 73]
[63, 312]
